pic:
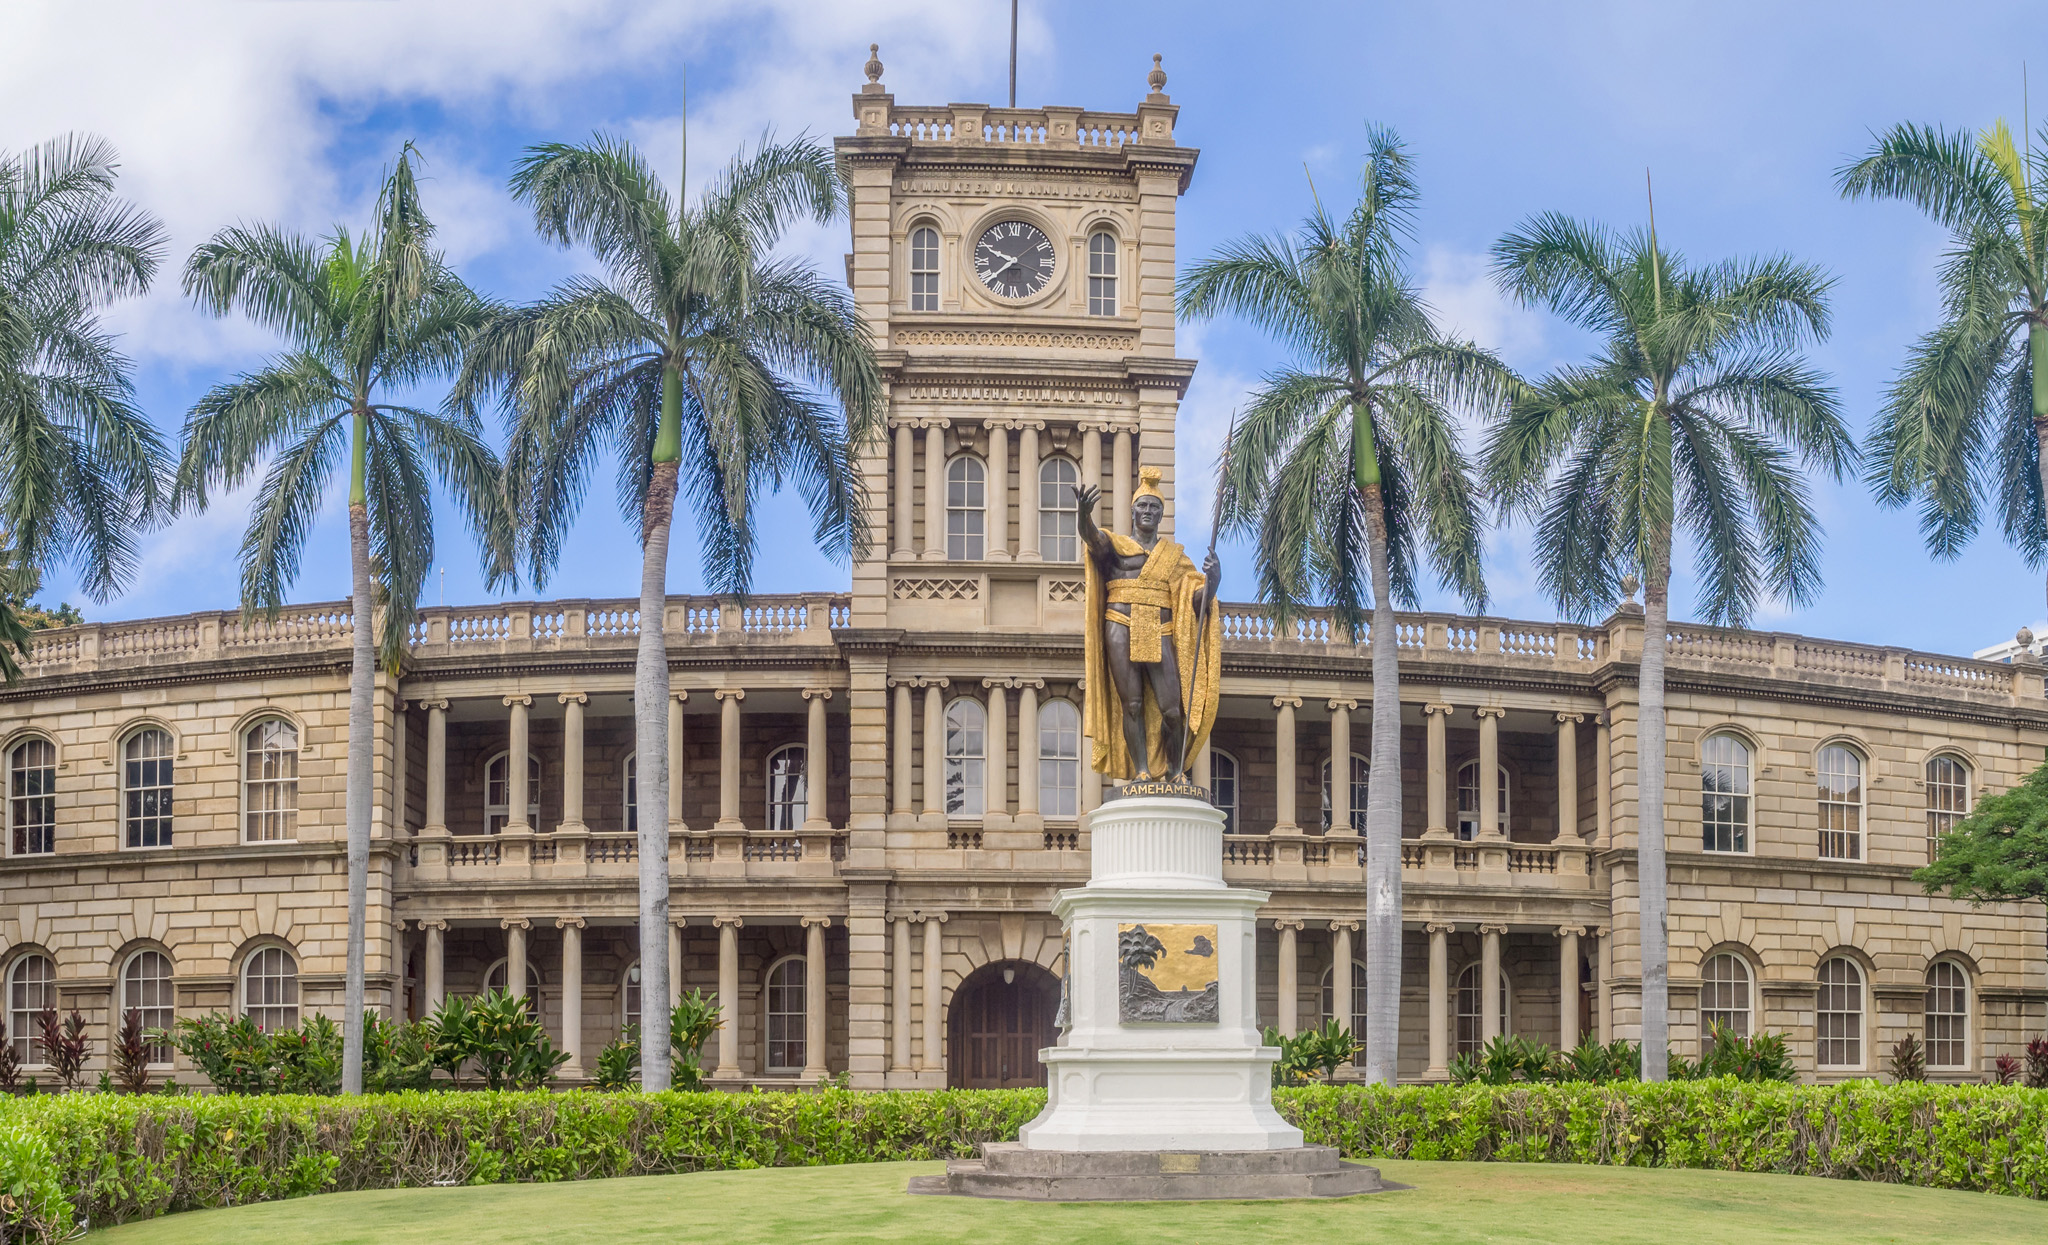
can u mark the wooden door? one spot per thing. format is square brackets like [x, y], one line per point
[999, 1028]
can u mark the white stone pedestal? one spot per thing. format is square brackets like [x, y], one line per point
[1118, 1085]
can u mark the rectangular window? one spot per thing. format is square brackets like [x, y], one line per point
[1948, 799]
[1841, 804]
[1102, 275]
[965, 511]
[31, 798]
[1724, 795]
[146, 783]
[924, 270]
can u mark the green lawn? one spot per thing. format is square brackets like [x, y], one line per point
[1504, 1202]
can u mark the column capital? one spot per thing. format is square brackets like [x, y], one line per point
[817, 693]
[824, 922]
[433, 702]
[573, 698]
[1287, 702]
[568, 922]
[677, 922]
[936, 918]
[730, 693]
[1350, 925]
[1028, 425]
[515, 922]
[1575, 931]
[1600, 931]
[1006, 684]
[928, 421]
[1036, 685]
[1489, 928]
[921, 680]
[521, 699]
[1490, 711]
[1440, 927]
[737, 922]
[1568, 716]
[1434, 708]
[434, 924]
[681, 694]
[999, 425]
[1289, 922]
[1346, 703]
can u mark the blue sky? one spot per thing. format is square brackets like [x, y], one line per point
[288, 111]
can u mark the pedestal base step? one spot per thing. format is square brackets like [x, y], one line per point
[1008, 1170]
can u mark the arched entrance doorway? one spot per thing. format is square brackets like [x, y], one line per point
[1002, 1016]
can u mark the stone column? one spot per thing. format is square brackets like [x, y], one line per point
[676, 765]
[1603, 784]
[1439, 1001]
[1436, 785]
[995, 775]
[934, 748]
[1287, 983]
[1028, 461]
[729, 758]
[934, 1059]
[1199, 771]
[1603, 971]
[1121, 485]
[1568, 985]
[1285, 781]
[998, 496]
[817, 764]
[517, 794]
[728, 996]
[675, 962]
[1341, 1002]
[934, 491]
[814, 998]
[572, 759]
[1489, 773]
[572, 992]
[1340, 765]
[899, 995]
[905, 544]
[1567, 776]
[1091, 458]
[515, 928]
[400, 723]
[1027, 746]
[437, 768]
[900, 794]
[436, 967]
[1489, 981]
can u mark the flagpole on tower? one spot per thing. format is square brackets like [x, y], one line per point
[1013, 53]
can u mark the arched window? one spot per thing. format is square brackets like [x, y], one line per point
[924, 269]
[270, 989]
[1724, 794]
[146, 989]
[498, 792]
[31, 988]
[1102, 274]
[31, 797]
[1471, 1016]
[146, 788]
[966, 757]
[629, 998]
[1059, 759]
[1223, 787]
[495, 979]
[1058, 536]
[1841, 803]
[1724, 996]
[1359, 774]
[1838, 1015]
[966, 515]
[1356, 1020]
[1947, 1024]
[788, 798]
[1468, 799]
[1948, 797]
[786, 1015]
[633, 792]
[270, 781]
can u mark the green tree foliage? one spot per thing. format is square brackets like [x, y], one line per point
[1997, 854]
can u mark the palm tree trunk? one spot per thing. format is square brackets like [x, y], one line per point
[651, 780]
[1653, 904]
[1382, 817]
[2037, 360]
[356, 816]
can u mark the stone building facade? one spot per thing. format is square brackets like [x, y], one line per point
[881, 790]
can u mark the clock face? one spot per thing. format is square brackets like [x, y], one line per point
[1013, 259]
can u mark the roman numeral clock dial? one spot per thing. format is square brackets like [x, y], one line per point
[1013, 259]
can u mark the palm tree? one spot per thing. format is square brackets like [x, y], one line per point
[82, 471]
[1967, 417]
[363, 317]
[1696, 414]
[697, 360]
[1347, 466]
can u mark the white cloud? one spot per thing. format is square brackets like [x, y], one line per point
[1458, 287]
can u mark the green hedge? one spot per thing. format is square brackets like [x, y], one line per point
[99, 1159]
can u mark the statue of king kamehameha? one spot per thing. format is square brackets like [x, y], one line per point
[1154, 644]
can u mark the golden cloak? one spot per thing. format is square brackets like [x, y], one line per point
[1172, 577]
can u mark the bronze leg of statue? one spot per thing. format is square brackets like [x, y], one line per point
[1130, 689]
[1165, 680]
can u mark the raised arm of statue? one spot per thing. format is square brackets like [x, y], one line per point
[1084, 520]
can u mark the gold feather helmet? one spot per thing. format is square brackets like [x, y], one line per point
[1148, 484]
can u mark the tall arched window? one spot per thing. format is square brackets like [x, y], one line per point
[1724, 794]
[498, 792]
[146, 988]
[1468, 799]
[629, 998]
[1223, 787]
[786, 1015]
[31, 797]
[966, 757]
[633, 792]
[1360, 773]
[495, 978]
[966, 509]
[1724, 996]
[1356, 1020]
[1102, 274]
[1471, 1016]
[31, 987]
[1947, 1023]
[1841, 803]
[270, 781]
[788, 798]
[1948, 797]
[1059, 759]
[1058, 536]
[1838, 1015]
[924, 269]
[270, 989]
[146, 788]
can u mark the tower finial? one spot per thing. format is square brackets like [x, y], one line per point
[874, 65]
[1157, 78]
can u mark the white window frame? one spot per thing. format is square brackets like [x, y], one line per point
[1963, 1017]
[24, 1027]
[1842, 819]
[499, 815]
[966, 509]
[786, 816]
[1104, 258]
[966, 760]
[1478, 1018]
[1361, 787]
[1326, 996]
[1859, 1018]
[1948, 795]
[161, 1015]
[1468, 818]
[294, 1004]
[776, 1019]
[271, 800]
[22, 830]
[630, 996]
[1059, 760]
[133, 818]
[1744, 1016]
[924, 267]
[1059, 532]
[1223, 788]
[1727, 793]
[629, 785]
